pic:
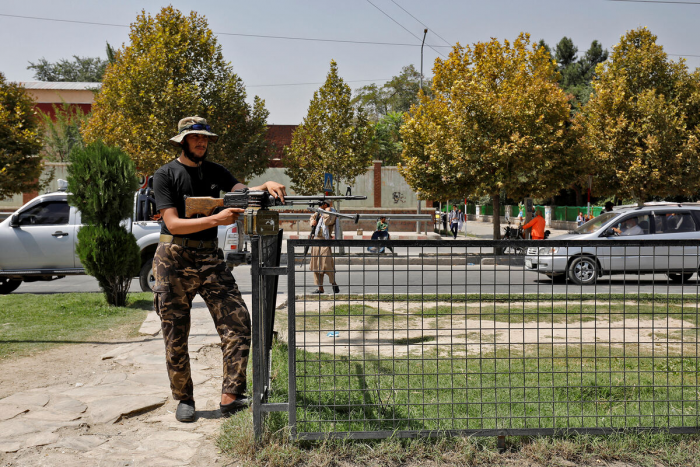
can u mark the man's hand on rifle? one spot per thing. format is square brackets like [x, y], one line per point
[228, 216]
[275, 189]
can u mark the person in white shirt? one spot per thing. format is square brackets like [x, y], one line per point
[453, 220]
[630, 227]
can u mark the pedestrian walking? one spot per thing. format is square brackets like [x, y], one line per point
[453, 220]
[322, 263]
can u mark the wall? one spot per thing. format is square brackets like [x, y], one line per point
[56, 96]
[396, 193]
[280, 136]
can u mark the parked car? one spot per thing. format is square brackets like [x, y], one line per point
[38, 240]
[584, 265]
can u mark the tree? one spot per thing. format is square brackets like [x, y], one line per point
[111, 54]
[398, 94]
[172, 68]
[332, 138]
[102, 181]
[576, 75]
[546, 47]
[641, 124]
[80, 69]
[20, 143]
[387, 138]
[62, 133]
[497, 122]
[576, 72]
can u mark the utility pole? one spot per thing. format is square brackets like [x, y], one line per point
[425, 32]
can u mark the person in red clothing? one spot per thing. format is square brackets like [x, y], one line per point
[537, 224]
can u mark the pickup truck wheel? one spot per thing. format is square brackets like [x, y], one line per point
[8, 285]
[146, 277]
[583, 270]
[678, 278]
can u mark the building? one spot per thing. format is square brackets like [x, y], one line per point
[46, 95]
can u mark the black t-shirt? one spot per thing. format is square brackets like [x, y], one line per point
[174, 181]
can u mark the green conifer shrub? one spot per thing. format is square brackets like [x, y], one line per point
[102, 181]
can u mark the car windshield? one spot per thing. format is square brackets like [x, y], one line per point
[596, 223]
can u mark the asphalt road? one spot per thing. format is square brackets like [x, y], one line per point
[414, 279]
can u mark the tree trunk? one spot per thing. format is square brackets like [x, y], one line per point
[639, 198]
[496, 216]
[577, 190]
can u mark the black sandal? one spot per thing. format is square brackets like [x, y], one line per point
[231, 408]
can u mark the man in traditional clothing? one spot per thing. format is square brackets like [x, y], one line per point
[321, 256]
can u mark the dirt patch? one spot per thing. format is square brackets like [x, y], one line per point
[64, 364]
[397, 329]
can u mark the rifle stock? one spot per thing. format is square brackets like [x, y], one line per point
[202, 205]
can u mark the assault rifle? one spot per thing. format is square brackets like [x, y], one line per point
[355, 218]
[319, 212]
[257, 219]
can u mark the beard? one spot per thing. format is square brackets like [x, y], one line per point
[192, 156]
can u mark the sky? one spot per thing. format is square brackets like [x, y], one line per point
[286, 72]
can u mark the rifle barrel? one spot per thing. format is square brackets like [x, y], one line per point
[306, 199]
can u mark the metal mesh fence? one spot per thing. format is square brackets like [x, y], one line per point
[447, 337]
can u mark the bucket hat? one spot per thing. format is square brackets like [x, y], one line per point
[192, 125]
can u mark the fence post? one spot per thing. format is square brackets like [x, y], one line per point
[256, 343]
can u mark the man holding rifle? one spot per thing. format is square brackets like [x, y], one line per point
[187, 263]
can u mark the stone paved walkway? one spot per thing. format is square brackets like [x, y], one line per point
[123, 415]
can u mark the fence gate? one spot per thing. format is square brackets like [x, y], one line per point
[265, 261]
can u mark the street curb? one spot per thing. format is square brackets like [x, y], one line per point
[352, 236]
[411, 260]
[503, 261]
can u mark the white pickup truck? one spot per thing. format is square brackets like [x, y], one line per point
[38, 240]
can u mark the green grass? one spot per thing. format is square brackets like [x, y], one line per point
[538, 388]
[345, 394]
[33, 323]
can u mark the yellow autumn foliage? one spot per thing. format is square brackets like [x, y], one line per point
[641, 123]
[172, 68]
[497, 121]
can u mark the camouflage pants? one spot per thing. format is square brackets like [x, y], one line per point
[180, 274]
